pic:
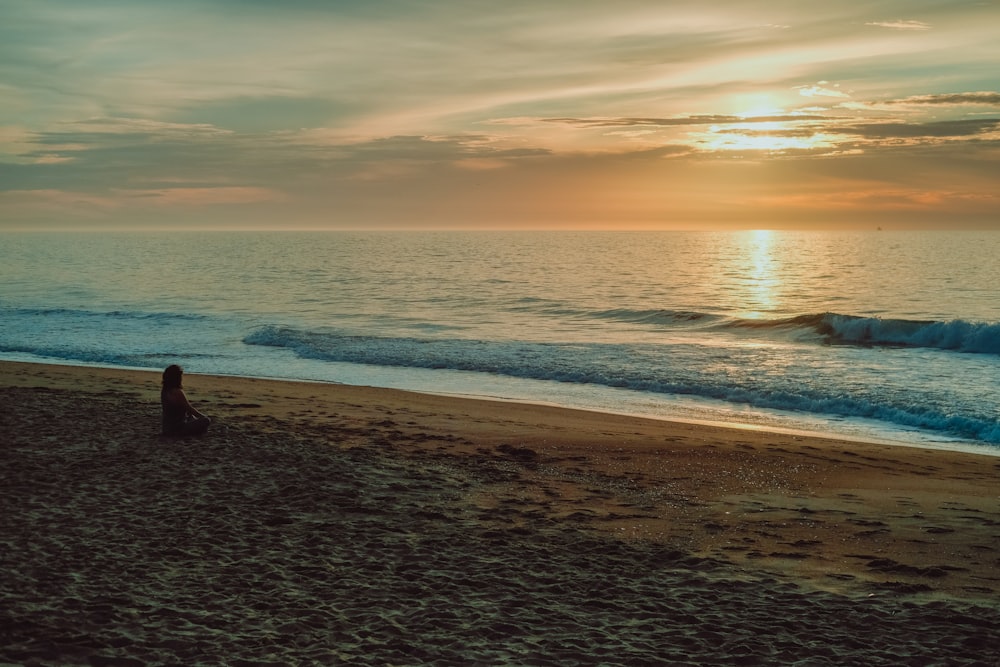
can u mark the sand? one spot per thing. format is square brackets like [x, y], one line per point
[328, 524]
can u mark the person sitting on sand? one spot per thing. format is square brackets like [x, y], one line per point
[180, 418]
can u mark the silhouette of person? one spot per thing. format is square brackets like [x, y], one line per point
[180, 418]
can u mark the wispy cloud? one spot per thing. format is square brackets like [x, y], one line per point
[946, 128]
[901, 25]
[984, 98]
[206, 195]
[821, 89]
[679, 121]
[384, 110]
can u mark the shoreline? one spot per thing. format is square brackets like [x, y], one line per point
[941, 445]
[384, 508]
[945, 444]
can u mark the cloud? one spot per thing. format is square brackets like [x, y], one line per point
[708, 119]
[820, 91]
[95, 133]
[983, 98]
[877, 199]
[200, 196]
[51, 201]
[901, 25]
[77, 202]
[388, 108]
[790, 132]
[939, 129]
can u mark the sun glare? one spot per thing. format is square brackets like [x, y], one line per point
[769, 136]
[762, 279]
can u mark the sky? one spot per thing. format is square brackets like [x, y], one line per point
[443, 114]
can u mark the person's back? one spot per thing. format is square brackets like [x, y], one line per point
[174, 412]
[177, 409]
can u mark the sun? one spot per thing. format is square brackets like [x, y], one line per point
[758, 122]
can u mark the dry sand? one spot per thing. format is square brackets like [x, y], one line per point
[327, 524]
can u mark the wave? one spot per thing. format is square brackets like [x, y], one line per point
[93, 314]
[102, 357]
[115, 337]
[839, 329]
[656, 316]
[634, 367]
[833, 328]
[954, 335]
[763, 376]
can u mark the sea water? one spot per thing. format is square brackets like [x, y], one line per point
[881, 335]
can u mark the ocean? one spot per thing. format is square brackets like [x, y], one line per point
[890, 336]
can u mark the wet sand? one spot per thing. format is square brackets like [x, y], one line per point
[328, 524]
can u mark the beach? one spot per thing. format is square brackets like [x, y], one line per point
[319, 523]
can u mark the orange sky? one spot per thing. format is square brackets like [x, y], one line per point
[637, 114]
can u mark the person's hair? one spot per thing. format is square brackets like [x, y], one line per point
[172, 376]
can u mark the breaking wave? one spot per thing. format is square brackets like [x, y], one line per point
[838, 329]
[635, 367]
[955, 335]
